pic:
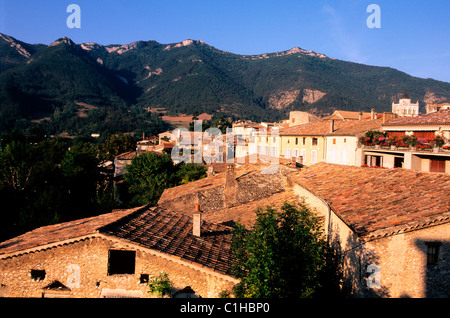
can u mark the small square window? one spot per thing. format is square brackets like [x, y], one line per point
[37, 274]
[121, 262]
[334, 141]
[144, 279]
[314, 141]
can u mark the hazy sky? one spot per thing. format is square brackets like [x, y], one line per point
[414, 36]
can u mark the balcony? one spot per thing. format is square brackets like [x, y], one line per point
[425, 149]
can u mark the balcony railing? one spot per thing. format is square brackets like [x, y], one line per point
[422, 149]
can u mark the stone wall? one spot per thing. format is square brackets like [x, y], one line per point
[400, 260]
[83, 267]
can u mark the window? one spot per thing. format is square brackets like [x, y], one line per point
[345, 140]
[144, 279]
[121, 262]
[304, 141]
[344, 156]
[334, 141]
[287, 154]
[433, 252]
[313, 157]
[296, 141]
[314, 141]
[37, 274]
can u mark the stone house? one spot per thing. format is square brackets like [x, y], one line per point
[391, 226]
[115, 255]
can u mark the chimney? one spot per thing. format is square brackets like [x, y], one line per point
[372, 114]
[331, 125]
[360, 115]
[387, 116]
[294, 162]
[231, 186]
[197, 221]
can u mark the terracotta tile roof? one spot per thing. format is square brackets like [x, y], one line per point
[355, 127]
[60, 232]
[128, 155]
[440, 117]
[345, 114]
[341, 127]
[376, 202]
[150, 227]
[171, 233]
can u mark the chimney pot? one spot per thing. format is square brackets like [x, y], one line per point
[197, 221]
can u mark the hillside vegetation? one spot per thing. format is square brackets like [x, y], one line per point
[48, 85]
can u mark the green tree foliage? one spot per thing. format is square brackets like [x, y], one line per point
[148, 175]
[160, 285]
[187, 172]
[113, 145]
[46, 180]
[284, 255]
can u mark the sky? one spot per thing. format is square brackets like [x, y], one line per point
[413, 36]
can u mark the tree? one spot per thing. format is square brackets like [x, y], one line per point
[160, 285]
[188, 172]
[283, 255]
[148, 175]
[114, 145]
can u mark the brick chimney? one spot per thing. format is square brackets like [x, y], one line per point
[294, 162]
[388, 116]
[197, 221]
[231, 186]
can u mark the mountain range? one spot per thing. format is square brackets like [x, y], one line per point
[74, 88]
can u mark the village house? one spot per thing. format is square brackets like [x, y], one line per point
[307, 140]
[342, 143]
[390, 226]
[116, 254]
[434, 107]
[422, 156]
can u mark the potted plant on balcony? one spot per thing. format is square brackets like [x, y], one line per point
[393, 142]
[438, 143]
[411, 141]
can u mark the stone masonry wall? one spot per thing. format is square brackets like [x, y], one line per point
[83, 267]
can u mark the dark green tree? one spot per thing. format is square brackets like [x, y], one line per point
[283, 255]
[148, 175]
[187, 172]
[114, 145]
